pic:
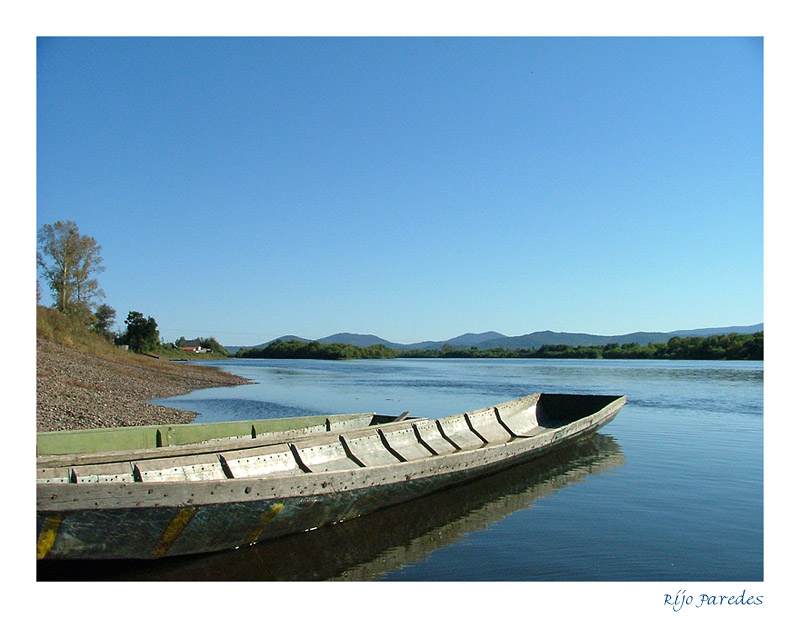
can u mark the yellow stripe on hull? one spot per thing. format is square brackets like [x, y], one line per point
[173, 530]
[265, 519]
[48, 535]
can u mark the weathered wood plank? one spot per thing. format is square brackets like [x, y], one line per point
[404, 441]
[276, 460]
[458, 431]
[370, 450]
[191, 468]
[324, 455]
[486, 425]
[428, 433]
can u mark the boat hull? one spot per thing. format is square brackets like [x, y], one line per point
[153, 520]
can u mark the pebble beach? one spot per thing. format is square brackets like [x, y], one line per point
[79, 390]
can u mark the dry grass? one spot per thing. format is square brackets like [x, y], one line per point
[56, 327]
[65, 330]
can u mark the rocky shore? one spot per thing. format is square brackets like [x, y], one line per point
[78, 390]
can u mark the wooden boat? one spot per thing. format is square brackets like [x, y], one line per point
[167, 491]
[366, 548]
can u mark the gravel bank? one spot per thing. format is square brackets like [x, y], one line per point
[76, 390]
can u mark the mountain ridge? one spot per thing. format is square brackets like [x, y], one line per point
[491, 339]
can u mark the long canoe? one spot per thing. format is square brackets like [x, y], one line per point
[182, 491]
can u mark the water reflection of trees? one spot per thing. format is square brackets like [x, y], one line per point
[377, 543]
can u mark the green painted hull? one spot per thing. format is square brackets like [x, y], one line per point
[84, 441]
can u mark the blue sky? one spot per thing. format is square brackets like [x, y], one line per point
[412, 188]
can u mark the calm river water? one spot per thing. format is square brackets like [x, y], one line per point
[671, 490]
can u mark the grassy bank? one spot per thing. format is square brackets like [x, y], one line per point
[84, 381]
[56, 327]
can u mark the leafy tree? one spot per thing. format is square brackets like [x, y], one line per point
[103, 320]
[141, 334]
[68, 262]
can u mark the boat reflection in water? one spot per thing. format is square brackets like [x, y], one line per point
[377, 543]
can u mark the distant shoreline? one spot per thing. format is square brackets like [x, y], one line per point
[715, 347]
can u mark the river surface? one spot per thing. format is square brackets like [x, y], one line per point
[671, 490]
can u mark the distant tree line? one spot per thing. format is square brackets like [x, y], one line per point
[715, 347]
[317, 350]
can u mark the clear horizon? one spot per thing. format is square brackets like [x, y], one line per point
[412, 188]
